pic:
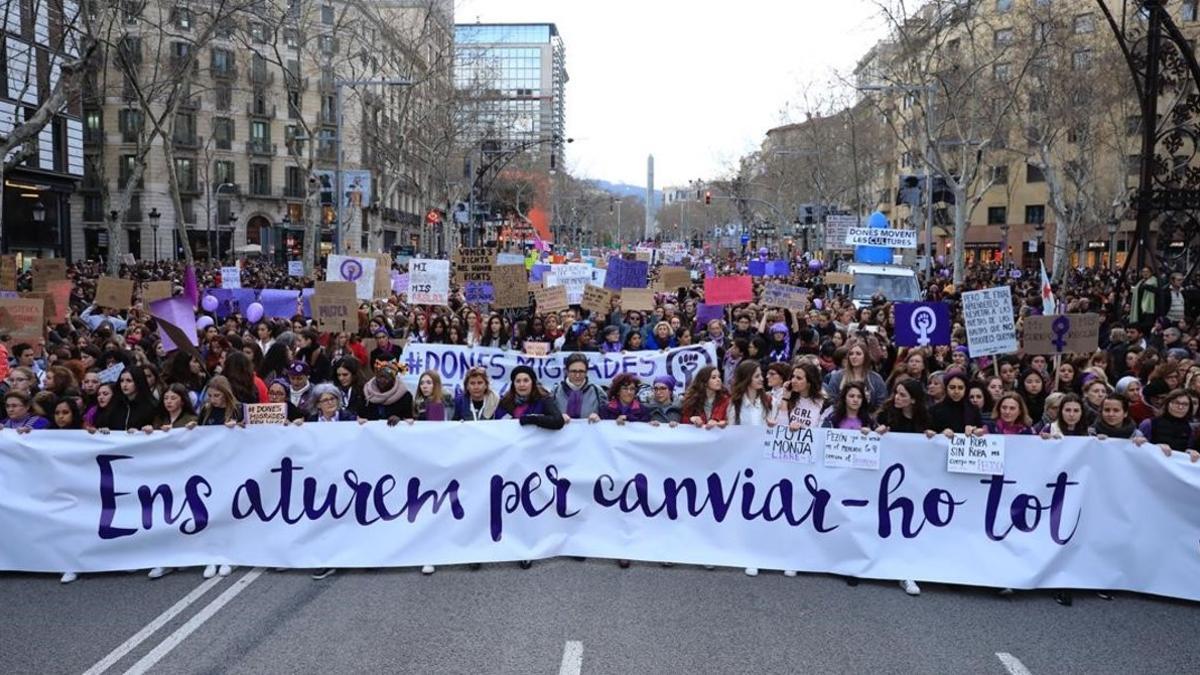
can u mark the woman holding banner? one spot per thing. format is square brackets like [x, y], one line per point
[175, 411]
[664, 407]
[477, 402]
[706, 403]
[347, 374]
[328, 403]
[806, 398]
[221, 407]
[1171, 430]
[575, 395]
[527, 402]
[1012, 418]
[955, 414]
[387, 397]
[858, 368]
[431, 403]
[623, 404]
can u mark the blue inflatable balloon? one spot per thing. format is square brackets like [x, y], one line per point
[878, 255]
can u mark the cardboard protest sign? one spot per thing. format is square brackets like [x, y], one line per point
[399, 283]
[1064, 333]
[8, 273]
[976, 454]
[728, 290]
[176, 322]
[479, 293]
[510, 286]
[626, 274]
[156, 290]
[60, 291]
[785, 297]
[23, 319]
[46, 270]
[231, 277]
[510, 259]
[838, 279]
[113, 293]
[851, 449]
[429, 282]
[989, 317]
[672, 278]
[266, 413]
[335, 306]
[383, 274]
[472, 264]
[358, 270]
[537, 348]
[922, 324]
[551, 299]
[597, 300]
[640, 299]
[784, 445]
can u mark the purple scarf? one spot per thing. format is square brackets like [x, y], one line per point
[574, 402]
[435, 411]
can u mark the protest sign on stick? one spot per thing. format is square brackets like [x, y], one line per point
[597, 300]
[429, 282]
[640, 299]
[473, 264]
[510, 286]
[23, 319]
[551, 299]
[672, 278]
[113, 293]
[1064, 333]
[45, 270]
[728, 290]
[156, 290]
[785, 297]
[989, 317]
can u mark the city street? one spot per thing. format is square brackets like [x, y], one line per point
[570, 616]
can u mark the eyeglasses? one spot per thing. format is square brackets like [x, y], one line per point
[577, 371]
[1180, 403]
[629, 386]
[662, 387]
[327, 399]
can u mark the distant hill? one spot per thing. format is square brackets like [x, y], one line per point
[626, 190]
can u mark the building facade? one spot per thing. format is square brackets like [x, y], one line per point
[37, 41]
[512, 79]
[268, 93]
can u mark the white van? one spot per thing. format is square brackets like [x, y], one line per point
[894, 282]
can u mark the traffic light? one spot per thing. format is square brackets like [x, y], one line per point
[707, 197]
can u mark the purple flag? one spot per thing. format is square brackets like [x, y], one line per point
[179, 312]
[278, 303]
[191, 291]
[758, 268]
[706, 313]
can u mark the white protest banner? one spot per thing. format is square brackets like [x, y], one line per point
[1069, 513]
[879, 236]
[429, 282]
[785, 297]
[359, 271]
[976, 454]
[851, 449]
[598, 276]
[452, 362]
[231, 277]
[989, 317]
[835, 231]
[785, 445]
[266, 413]
[573, 277]
[296, 268]
[111, 373]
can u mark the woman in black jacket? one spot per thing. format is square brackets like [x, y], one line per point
[955, 414]
[141, 408]
[527, 402]
[387, 397]
[348, 376]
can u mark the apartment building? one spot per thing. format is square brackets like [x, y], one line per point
[264, 89]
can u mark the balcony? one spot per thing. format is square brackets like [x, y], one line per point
[293, 191]
[226, 73]
[294, 82]
[261, 147]
[229, 189]
[328, 118]
[190, 188]
[260, 109]
[188, 142]
[262, 78]
[262, 192]
[189, 103]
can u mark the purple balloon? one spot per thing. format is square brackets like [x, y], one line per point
[209, 303]
[204, 322]
[815, 265]
[254, 312]
[941, 260]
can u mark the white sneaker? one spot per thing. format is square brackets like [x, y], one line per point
[751, 571]
[159, 572]
[428, 569]
[789, 573]
[910, 587]
[68, 577]
[210, 571]
[224, 570]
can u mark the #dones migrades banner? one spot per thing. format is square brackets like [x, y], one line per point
[1072, 513]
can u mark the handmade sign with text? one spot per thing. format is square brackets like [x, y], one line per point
[989, 317]
[1064, 333]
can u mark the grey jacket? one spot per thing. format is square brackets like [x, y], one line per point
[593, 398]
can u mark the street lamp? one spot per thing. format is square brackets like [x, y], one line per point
[154, 215]
[39, 212]
[1113, 226]
[212, 216]
[1004, 243]
[617, 201]
[232, 222]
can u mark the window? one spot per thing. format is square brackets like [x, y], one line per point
[328, 44]
[328, 109]
[1037, 101]
[327, 15]
[1034, 174]
[1003, 5]
[185, 128]
[260, 179]
[185, 173]
[1084, 23]
[997, 215]
[293, 105]
[1041, 31]
[258, 68]
[93, 126]
[182, 18]
[1035, 214]
[325, 143]
[188, 206]
[1188, 11]
[293, 182]
[260, 131]
[1133, 165]
[222, 95]
[1002, 37]
[1133, 125]
[291, 38]
[131, 10]
[222, 62]
[131, 50]
[223, 172]
[93, 208]
[126, 167]
[258, 32]
[1000, 175]
[1081, 59]
[130, 123]
[222, 131]
[1002, 71]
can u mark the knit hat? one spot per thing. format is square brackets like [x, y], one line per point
[522, 369]
[297, 368]
[667, 380]
[779, 328]
[1124, 382]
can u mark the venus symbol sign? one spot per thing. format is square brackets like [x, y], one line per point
[923, 322]
[351, 270]
[1060, 327]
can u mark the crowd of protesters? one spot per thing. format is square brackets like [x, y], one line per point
[833, 365]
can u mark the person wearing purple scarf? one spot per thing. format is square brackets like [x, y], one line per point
[432, 403]
[575, 396]
[623, 404]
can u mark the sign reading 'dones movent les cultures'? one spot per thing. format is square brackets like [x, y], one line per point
[877, 236]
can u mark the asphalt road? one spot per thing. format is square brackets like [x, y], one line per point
[564, 614]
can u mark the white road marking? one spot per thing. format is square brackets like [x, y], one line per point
[1012, 664]
[175, 639]
[572, 660]
[152, 627]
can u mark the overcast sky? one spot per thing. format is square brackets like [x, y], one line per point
[695, 83]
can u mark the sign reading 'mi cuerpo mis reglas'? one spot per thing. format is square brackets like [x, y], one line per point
[1069, 513]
